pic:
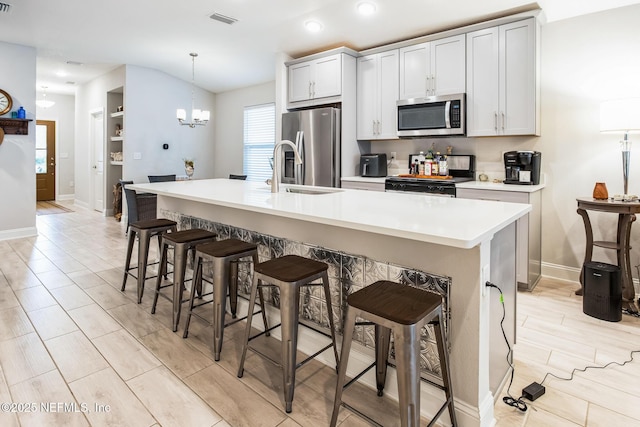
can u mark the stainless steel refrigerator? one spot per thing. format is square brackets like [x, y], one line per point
[316, 134]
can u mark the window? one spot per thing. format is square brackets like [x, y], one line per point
[259, 140]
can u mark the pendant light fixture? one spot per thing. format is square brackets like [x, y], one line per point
[44, 102]
[198, 117]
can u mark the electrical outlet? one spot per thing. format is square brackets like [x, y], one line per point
[486, 277]
[393, 155]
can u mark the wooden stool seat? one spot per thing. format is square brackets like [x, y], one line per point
[291, 268]
[398, 303]
[146, 224]
[289, 273]
[225, 248]
[190, 236]
[182, 242]
[224, 255]
[144, 230]
[403, 310]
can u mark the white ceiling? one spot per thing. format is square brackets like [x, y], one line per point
[159, 34]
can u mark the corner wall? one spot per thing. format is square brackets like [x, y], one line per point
[17, 152]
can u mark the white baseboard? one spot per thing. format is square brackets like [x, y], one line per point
[561, 272]
[18, 233]
[62, 197]
[572, 274]
[80, 204]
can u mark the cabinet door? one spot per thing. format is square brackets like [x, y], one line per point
[415, 71]
[518, 78]
[367, 96]
[448, 65]
[300, 82]
[327, 75]
[388, 84]
[482, 82]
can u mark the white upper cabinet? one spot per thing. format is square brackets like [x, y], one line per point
[377, 93]
[433, 68]
[502, 80]
[317, 78]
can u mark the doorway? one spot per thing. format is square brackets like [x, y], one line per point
[97, 161]
[45, 160]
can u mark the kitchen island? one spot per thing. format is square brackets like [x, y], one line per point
[449, 245]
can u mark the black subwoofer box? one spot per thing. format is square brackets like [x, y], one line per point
[602, 294]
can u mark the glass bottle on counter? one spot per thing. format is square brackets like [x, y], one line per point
[435, 166]
[428, 163]
[444, 167]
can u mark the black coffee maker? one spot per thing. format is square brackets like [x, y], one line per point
[522, 167]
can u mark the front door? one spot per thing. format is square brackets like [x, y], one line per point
[45, 160]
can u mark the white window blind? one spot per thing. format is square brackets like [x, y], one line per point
[259, 140]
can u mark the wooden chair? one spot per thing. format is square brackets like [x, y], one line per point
[139, 206]
[161, 178]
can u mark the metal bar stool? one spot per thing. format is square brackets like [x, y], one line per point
[182, 242]
[404, 310]
[145, 230]
[224, 255]
[288, 273]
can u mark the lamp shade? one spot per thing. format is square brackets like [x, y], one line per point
[620, 115]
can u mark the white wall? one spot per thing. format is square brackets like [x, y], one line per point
[17, 152]
[89, 97]
[63, 113]
[585, 60]
[229, 120]
[151, 100]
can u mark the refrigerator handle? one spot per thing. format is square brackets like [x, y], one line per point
[300, 169]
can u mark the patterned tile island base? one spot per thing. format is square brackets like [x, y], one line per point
[347, 273]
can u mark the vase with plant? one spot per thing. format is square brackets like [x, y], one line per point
[188, 167]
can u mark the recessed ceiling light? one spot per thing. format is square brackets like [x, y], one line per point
[313, 26]
[366, 8]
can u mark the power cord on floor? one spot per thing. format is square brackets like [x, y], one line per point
[508, 399]
[535, 390]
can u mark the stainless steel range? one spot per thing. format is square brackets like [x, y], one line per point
[461, 169]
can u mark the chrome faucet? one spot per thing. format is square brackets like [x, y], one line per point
[277, 163]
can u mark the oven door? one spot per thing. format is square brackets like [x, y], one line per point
[416, 187]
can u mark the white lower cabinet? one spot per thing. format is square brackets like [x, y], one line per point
[528, 234]
[362, 185]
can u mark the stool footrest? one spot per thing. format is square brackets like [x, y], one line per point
[362, 414]
[325, 348]
[357, 377]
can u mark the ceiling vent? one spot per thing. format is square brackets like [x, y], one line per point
[76, 63]
[222, 18]
[5, 7]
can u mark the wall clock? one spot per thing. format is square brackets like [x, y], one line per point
[5, 102]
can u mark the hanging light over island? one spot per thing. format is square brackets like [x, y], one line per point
[198, 117]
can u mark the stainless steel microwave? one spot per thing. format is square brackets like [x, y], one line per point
[432, 116]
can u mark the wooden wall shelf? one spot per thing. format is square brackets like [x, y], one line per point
[15, 126]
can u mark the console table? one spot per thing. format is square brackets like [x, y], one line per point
[626, 216]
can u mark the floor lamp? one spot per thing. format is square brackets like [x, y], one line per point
[621, 116]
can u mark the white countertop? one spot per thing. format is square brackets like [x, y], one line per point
[462, 223]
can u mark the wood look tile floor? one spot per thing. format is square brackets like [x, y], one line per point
[69, 338]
